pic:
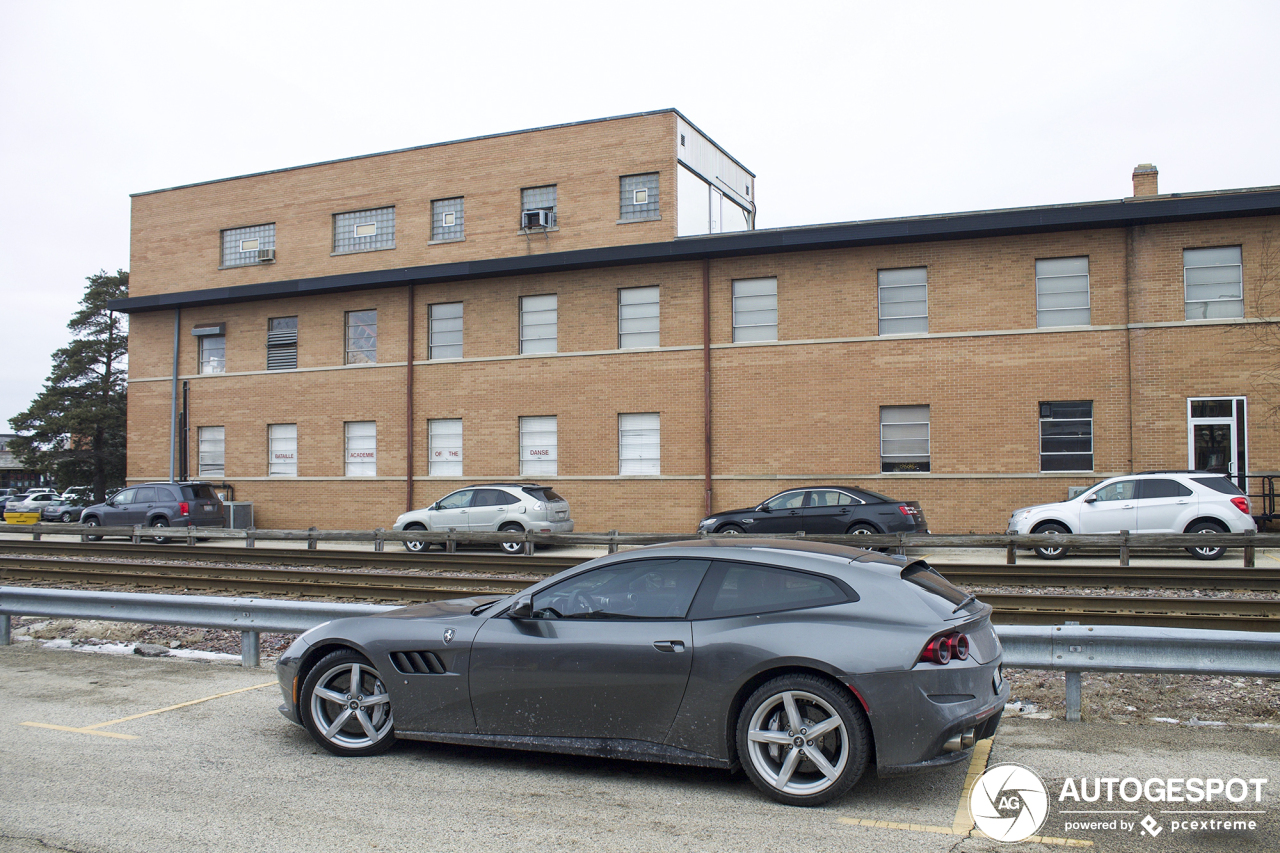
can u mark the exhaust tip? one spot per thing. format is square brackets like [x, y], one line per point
[959, 741]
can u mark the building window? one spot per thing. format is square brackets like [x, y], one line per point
[446, 220]
[282, 343]
[1062, 292]
[213, 353]
[640, 444]
[362, 337]
[1213, 283]
[444, 440]
[538, 323]
[445, 330]
[904, 301]
[1066, 436]
[638, 197]
[364, 230]
[637, 317]
[904, 438]
[755, 309]
[282, 450]
[537, 446]
[538, 207]
[213, 451]
[362, 448]
[243, 247]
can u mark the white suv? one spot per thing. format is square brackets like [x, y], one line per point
[492, 507]
[1150, 502]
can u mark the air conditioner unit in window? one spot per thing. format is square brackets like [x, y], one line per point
[538, 218]
[266, 255]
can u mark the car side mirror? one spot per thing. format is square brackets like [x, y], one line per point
[1092, 499]
[764, 508]
[523, 608]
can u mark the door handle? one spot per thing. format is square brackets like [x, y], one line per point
[669, 645]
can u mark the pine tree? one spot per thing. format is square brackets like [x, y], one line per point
[74, 430]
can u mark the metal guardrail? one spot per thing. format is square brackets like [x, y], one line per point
[1122, 542]
[1070, 648]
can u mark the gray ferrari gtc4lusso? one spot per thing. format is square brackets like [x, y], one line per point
[796, 661]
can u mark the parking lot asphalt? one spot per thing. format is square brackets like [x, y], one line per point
[103, 753]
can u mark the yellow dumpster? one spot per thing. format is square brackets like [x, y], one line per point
[31, 517]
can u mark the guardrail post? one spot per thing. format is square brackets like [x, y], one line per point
[1248, 551]
[137, 534]
[249, 648]
[527, 550]
[1073, 686]
[191, 535]
[378, 542]
[451, 541]
[613, 543]
[4, 629]
[250, 536]
[902, 544]
[35, 533]
[1124, 547]
[1011, 555]
[311, 538]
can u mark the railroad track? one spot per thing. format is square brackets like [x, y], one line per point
[1010, 608]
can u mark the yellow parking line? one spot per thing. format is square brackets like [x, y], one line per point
[977, 766]
[92, 730]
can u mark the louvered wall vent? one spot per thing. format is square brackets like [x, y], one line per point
[417, 662]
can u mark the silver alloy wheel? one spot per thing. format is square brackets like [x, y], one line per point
[66, 516]
[511, 547]
[797, 743]
[419, 545]
[1206, 552]
[1049, 552]
[156, 525]
[350, 706]
[91, 522]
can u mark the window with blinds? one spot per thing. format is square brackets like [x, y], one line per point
[637, 317]
[362, 448]
[444, 445]
[904, 438]
[362, 337]
[755, 309]
[445, 330]
[1062, 292]
[282, 343]
[213, 451]
[282, 450]
[538, 323]
[640, 444]
[1213, 283]
[538, 446]
[904, 301]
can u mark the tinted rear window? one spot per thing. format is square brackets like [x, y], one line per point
[199, 493]
[874, 497]
[928, 579]
[548, 495]
[1219, 484]
[1163, 489]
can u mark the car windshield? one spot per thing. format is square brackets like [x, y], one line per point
[928, 579]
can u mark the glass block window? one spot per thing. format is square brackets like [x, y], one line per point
[755, 309]
[241, 246]
[212, 442]
[282, 343]
[282, 450]
[1066, 436]
[638, 197]
[637, 317]
[904, 438]
[538, 198]
[1213, 283]
[444, 440]
[362, 337]
[640, 444]
[364, 230]
[445, 330]
[362, 448]
[213, 353]
[538, 323]
[1062, 292]
[446, 220]
[904, 301]
[537, 446]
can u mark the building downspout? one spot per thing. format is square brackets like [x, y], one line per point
[173, 396]
[1128, 333]
[706, 381]
[408, 397]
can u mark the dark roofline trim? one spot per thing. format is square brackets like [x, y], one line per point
[442, 144]
[996, 223]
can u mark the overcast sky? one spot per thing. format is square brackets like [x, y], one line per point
[844, 110]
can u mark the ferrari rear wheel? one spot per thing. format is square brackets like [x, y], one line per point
[345, 706]
[802, 740]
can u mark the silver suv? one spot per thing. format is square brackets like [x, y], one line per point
[492, 507]
[1150, 502]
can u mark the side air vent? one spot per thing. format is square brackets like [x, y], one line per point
[421, 663]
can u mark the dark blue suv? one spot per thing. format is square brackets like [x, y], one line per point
[159, 505]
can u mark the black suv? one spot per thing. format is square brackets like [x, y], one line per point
[159, 505]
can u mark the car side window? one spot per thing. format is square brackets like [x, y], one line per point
[492, 497]
[786, 500]
[145, 495]
[1163, 489]
[1121, 491]
[124, 497]
[738, 589]
[638, 589]
[829, 497]
[458, 500]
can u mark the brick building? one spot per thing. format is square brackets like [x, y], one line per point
[590, 306]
